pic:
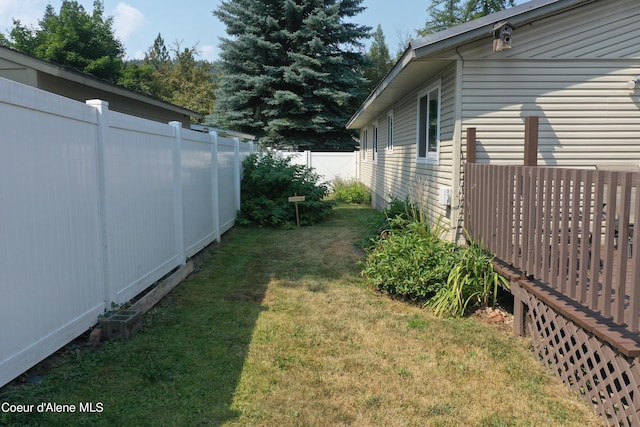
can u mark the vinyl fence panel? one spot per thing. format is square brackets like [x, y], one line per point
[95, 207]
[197, 191]
[50, 248]
[227, 173]
[329, 165]
[140, 201]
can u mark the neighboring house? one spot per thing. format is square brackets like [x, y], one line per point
[72, 84]
[572, 63]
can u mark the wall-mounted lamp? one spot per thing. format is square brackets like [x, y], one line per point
[632, 84]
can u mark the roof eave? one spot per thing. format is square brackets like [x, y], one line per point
[91, 81]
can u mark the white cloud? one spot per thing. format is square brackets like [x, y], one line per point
[208, 53]
[28, 12]
[126, 21]
[139, 54]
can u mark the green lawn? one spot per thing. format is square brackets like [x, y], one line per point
[275, 328]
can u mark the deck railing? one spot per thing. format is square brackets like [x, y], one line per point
[569, 229]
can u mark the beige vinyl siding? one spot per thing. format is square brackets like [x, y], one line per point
[600, 30]
[587, 114]
[569, 69]
[398, 174]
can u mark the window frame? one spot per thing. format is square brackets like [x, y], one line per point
[365, 145]
[424, 103]
[374, 142]
[390, 131]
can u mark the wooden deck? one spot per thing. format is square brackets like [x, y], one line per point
[618, 336]
[569, 235]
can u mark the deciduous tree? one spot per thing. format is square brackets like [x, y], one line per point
[73, 38]
[173, 75]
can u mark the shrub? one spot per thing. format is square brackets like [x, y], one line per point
[267, 184]
[350, 191]
[472, 280]
[409, 260]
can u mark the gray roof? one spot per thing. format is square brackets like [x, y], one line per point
[88, 80]
[404, 76]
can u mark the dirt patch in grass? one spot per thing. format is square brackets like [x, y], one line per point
[276, 329]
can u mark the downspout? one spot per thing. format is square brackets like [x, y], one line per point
[456, 196]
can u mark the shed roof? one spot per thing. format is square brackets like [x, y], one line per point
[420, 58]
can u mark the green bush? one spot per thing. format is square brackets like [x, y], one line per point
[267, 184]
[471, 282]
[350, 191]
[409, 260]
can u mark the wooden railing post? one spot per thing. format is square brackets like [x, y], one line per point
[471, 145]
[531, 141]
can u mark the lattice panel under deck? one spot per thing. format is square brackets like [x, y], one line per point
[604, 377]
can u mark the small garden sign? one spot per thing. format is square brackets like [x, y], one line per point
[295, 199]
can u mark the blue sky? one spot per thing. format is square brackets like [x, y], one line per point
[190, 22]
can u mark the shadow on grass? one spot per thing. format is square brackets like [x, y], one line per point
[185, 365]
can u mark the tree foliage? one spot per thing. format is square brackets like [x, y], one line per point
[173, 75]
[267, 184]
[380, 61]
[73, 38]
[445, 14]
[292, 71]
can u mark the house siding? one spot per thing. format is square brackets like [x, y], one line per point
[606, 29]
[571, 71]
[397, 174]
[587, 114]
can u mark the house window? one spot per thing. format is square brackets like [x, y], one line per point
[365, 144]
[375, 143]
[429, 124]
[390, 132]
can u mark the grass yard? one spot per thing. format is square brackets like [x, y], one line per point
[276, 329]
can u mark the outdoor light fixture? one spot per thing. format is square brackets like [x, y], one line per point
[632, 84]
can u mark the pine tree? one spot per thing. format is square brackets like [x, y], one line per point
[445, 14]
[380, 61]
[477, 8]
[292, 71]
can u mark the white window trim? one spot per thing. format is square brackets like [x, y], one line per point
[432, 158]
[375, 139]
[390, 132]
[365, 144]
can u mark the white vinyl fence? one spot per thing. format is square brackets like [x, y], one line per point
[95, 206]
[329, 165]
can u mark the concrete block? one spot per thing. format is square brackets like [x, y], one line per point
[124, 323]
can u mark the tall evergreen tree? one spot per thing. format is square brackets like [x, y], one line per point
[73, 38]
[444, 14]
[380, 61]
[477, 8]
[292, 71]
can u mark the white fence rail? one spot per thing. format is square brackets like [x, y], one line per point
[329, 165]
[95, 206]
